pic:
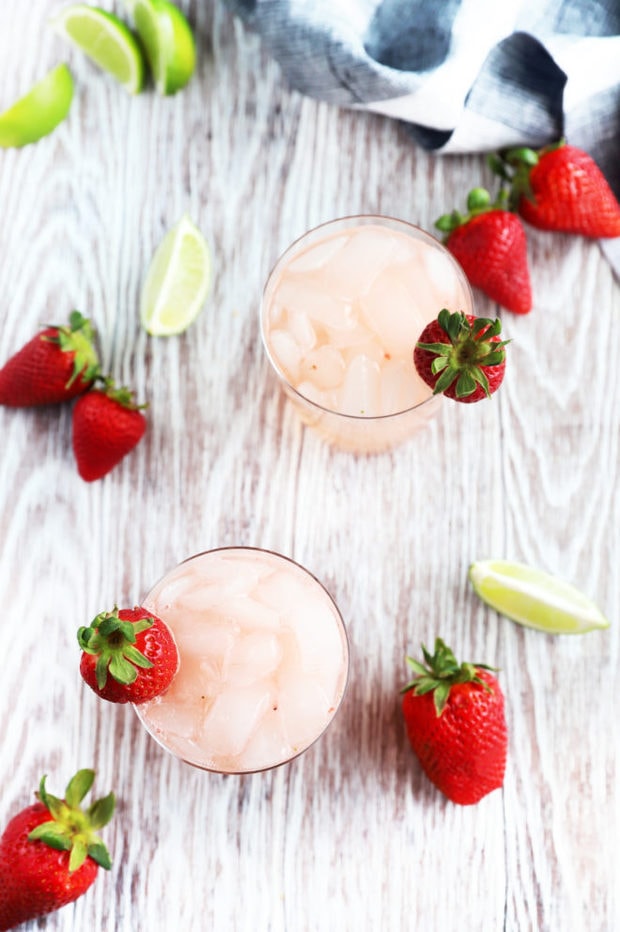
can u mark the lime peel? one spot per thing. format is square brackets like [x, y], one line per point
[168, 42]
[177, 282]
[534, 598]
[106, 40]
[39, 111]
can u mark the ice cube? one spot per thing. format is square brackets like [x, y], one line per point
[174, 717]
[320, 656]
[170, 590]
[305, 709]
[401, 386]
[255, 657]
[313, 394]
[300, 327]
[391, 310]
[371, 348]
[211, 642]
[268, 745]
[314, 257]
[224, 576]
[283, 589]
[324, 367]
[360, 390]
[305, 294]
[352, 271]
[233, 718]
[286, 352]
[443, 283]
[250, 614]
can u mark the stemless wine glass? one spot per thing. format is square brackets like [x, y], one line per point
[264, 660]
[341, 313]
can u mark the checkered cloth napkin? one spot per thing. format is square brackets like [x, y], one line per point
[465, 75]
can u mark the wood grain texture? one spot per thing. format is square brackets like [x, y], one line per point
[350, 836]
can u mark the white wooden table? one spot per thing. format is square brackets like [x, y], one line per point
[350, 836]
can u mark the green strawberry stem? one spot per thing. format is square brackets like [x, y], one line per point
[441, 672]
[479, 201]
[78, 338]
[123, 395]
[469, 350]
[71, 828]
[112, 641]
[513, 167]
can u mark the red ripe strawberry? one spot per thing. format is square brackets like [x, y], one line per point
[56, 365]
[489, 243]
[128, 655]
[455, 722]
[461, 355]
[561, 188]
[49, 852]
[107, 425]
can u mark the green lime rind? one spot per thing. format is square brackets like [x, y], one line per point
[39, 111]
[106, 40]
[534, 598]
[177, 282]
[168, 42]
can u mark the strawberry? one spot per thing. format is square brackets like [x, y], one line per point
[56, 365]
[107, 425]
[49, 852]
[461, 355]
[560, 187]
[489, 243]
[128, 655]
[455, 722]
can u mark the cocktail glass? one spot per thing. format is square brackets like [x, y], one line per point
[264, 660]
[341, 312]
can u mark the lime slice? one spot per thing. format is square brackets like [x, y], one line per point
[534, 598]
[39, 111]
[177, 282]
[107, 41]
[168, 41]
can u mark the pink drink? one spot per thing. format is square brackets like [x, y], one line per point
[263, 660]
[341, 313]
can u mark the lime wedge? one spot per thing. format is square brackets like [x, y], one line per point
[534, 598]
[168, 42]
[177, 281]
[39, 111]
[107, 41]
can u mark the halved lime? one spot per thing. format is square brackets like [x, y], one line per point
[168, 41]
[39, 111]
[534, 598]
[177, 281]
[107, 41]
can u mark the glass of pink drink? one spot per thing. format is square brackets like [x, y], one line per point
[264, 660]
[341, 313]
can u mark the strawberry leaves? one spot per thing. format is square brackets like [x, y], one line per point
[112, 641]
[78, 338]
[460, 361]
[441, 672]
[71, 828]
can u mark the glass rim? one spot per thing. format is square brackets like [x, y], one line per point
[364, 220]
[346, 651]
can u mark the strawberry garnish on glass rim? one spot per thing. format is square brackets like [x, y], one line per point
[461, 356]
[129, 655]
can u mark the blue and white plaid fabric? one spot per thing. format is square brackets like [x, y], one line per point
[465, 75]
